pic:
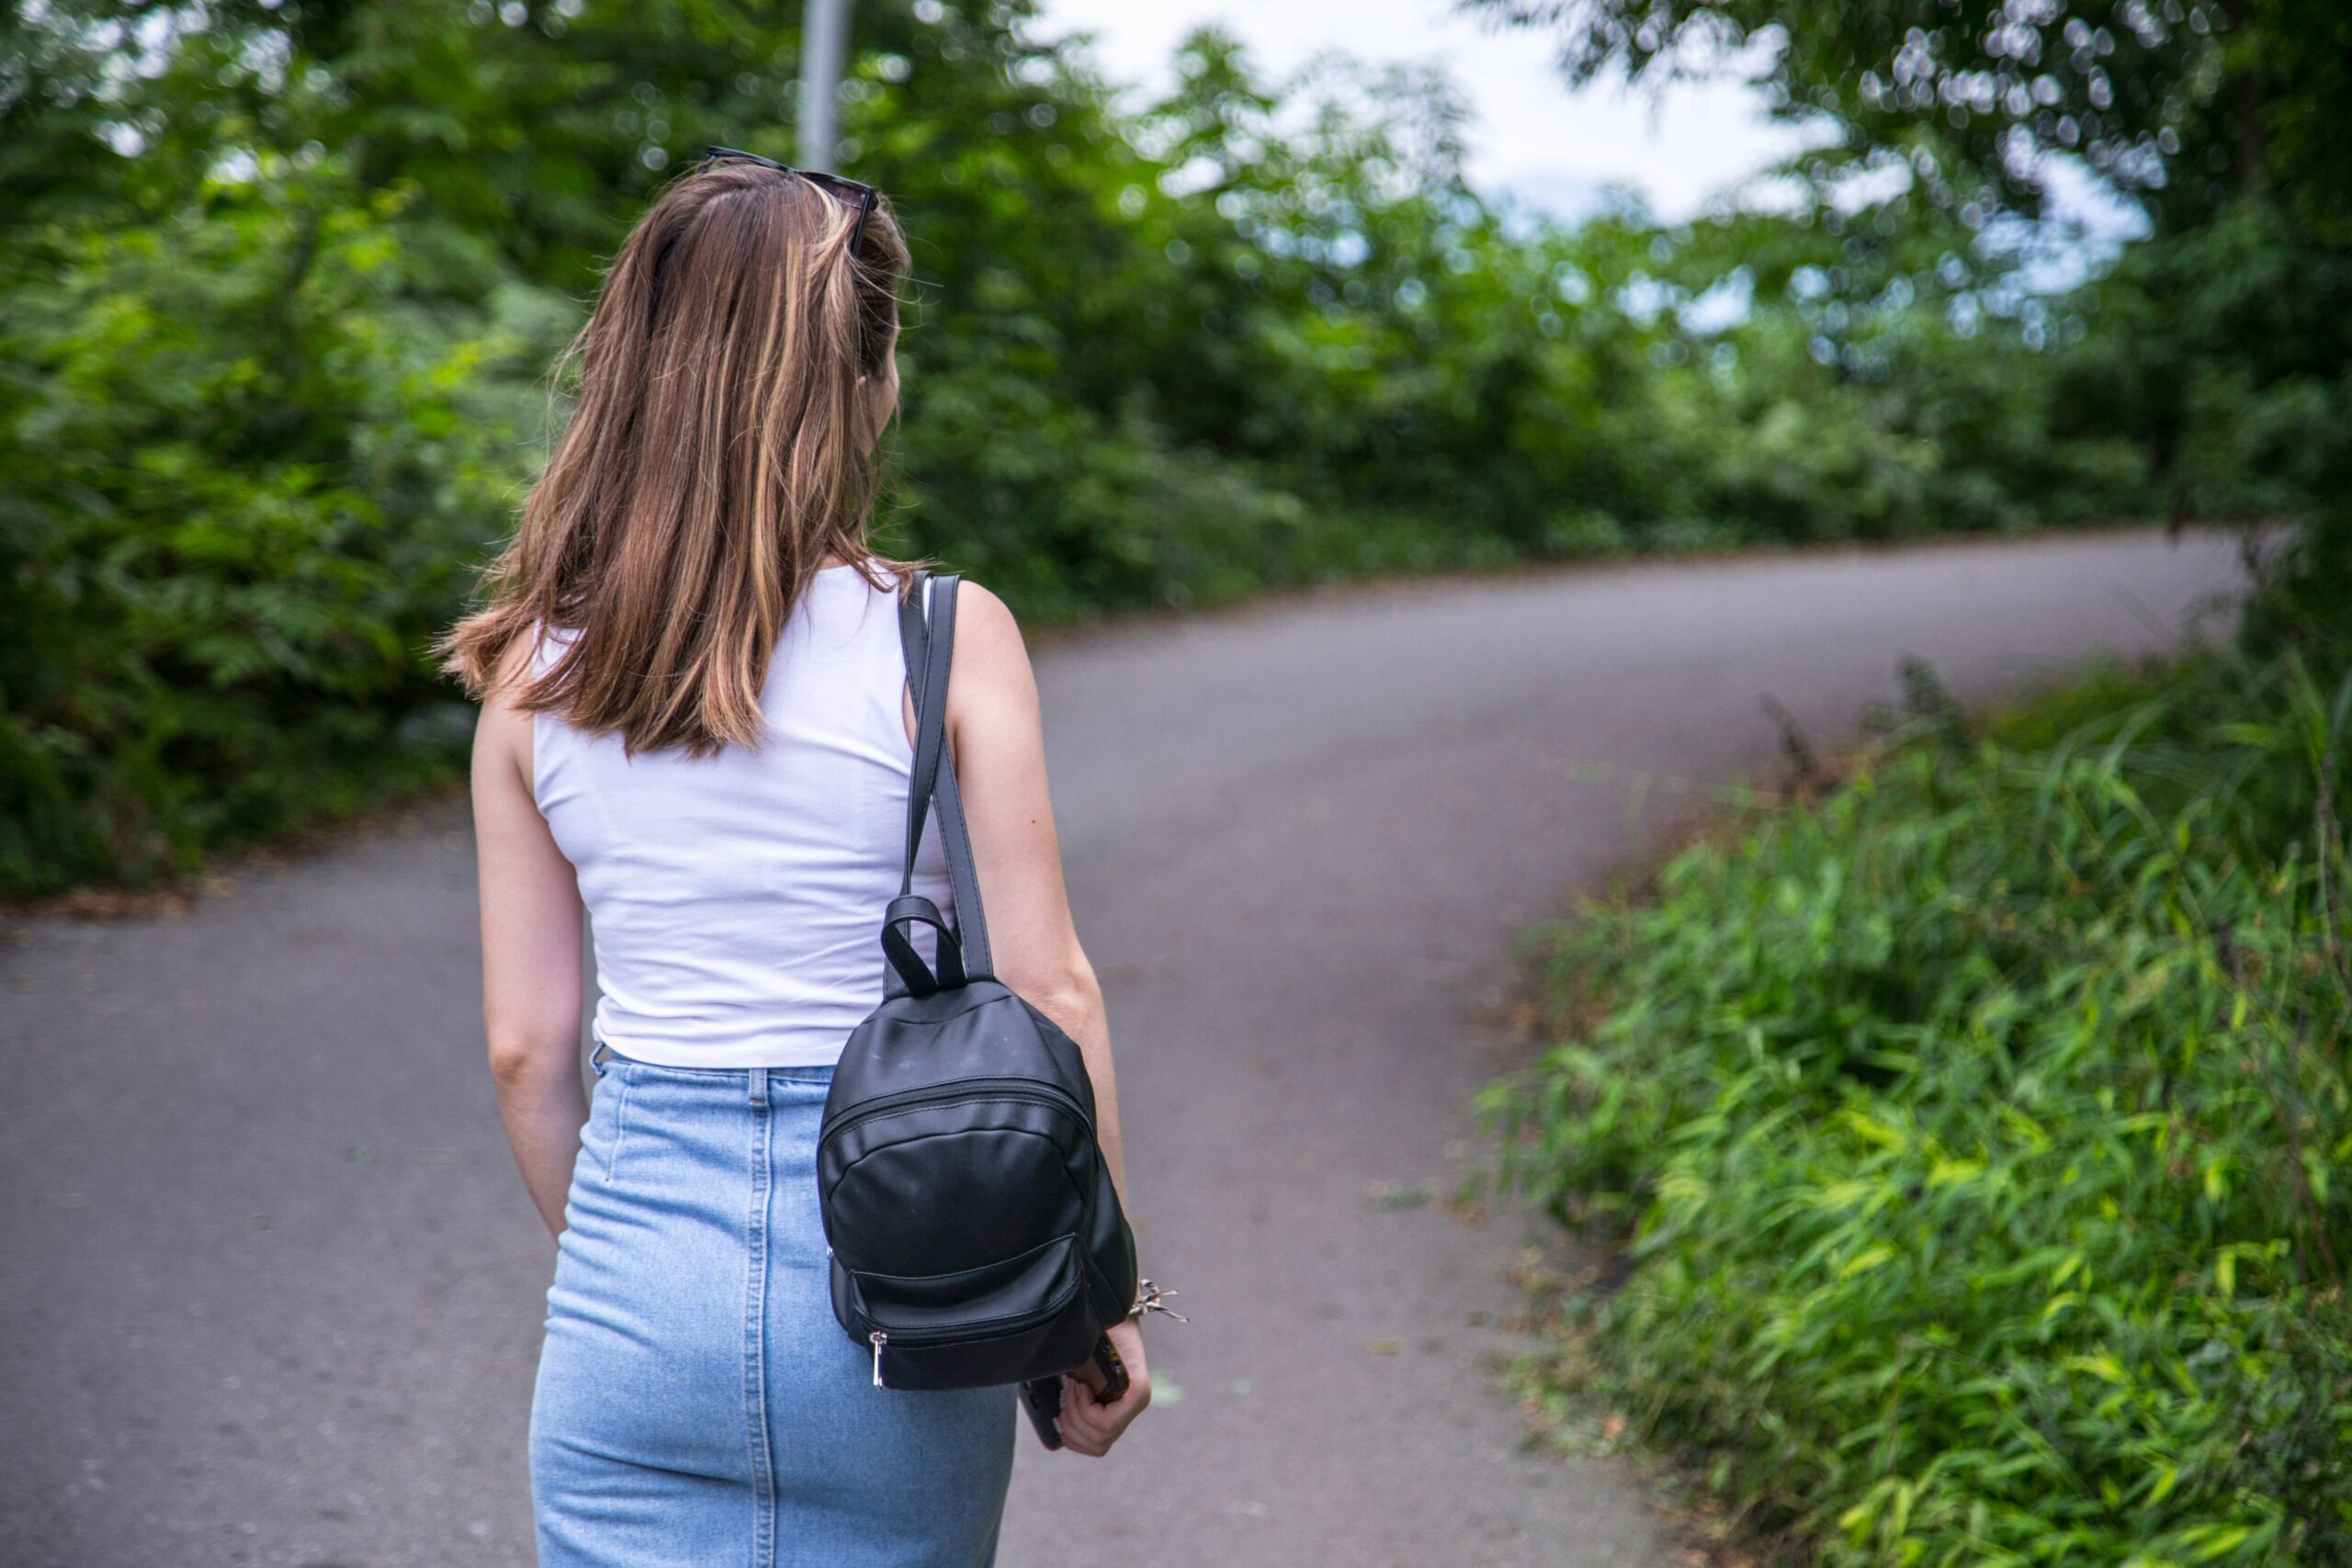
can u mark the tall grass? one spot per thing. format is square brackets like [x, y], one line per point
[1973, 1134]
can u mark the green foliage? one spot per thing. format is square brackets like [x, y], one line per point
[2217, 353]
[246, 480]
[1974, 1130]
[2180, 108]
[278, 282]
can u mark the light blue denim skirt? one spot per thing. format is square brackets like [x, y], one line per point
[697, 1403]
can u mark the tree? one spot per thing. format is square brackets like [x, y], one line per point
[2222, 338]
[2178, 106]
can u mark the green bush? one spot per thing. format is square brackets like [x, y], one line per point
[278, 284]
[1972, 1133]
[246, 481]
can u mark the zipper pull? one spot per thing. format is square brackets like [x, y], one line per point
[878, 1338]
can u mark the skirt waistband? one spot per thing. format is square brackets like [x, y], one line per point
[755, 1080]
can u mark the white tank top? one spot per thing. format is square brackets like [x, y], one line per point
[736, 900]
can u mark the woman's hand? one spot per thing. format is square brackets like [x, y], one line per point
[1089, 1427]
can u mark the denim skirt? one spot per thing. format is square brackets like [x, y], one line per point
[696, 1402]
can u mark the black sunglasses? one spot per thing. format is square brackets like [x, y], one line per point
[849, 190]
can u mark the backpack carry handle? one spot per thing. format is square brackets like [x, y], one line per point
[906, 964]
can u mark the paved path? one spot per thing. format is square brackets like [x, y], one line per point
[269, 1292]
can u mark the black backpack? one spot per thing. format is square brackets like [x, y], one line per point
[975, 1235]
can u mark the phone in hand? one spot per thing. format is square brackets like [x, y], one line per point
[1104, 1372]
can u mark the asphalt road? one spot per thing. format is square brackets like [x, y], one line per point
[270, 1293]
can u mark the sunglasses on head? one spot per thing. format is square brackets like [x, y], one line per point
[858, 195]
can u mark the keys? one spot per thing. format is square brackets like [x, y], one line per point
[1150, 1298]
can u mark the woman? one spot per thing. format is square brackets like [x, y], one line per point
[695, 724]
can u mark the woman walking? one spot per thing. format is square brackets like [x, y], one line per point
[695, 726]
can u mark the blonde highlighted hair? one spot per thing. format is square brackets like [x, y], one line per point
[719, 449]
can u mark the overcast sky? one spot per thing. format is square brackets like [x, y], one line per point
[1534, 138]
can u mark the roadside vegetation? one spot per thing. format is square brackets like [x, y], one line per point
[278, 283]
[1968, 1138]
[1972, 1133]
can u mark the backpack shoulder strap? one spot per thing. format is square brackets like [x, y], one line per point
[927, 633]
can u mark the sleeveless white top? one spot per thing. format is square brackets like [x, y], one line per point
[736, 900]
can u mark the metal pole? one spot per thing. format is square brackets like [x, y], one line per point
[824, 35]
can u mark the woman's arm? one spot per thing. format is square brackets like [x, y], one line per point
[530, 962]
[999, 750]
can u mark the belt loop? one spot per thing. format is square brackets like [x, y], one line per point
[760, 1087]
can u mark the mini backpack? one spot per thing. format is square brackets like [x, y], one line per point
[975, 1235]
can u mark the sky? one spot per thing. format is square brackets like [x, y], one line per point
[1536, 140]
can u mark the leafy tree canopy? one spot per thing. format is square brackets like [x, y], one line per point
[2180, 107]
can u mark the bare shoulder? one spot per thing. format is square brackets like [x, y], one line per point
[502, 734]
[991, 661]
[983, 620]
[986, 633]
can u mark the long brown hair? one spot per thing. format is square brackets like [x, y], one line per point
[719, 450]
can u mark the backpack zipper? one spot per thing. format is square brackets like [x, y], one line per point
[1020, 1089]
[878, 1338]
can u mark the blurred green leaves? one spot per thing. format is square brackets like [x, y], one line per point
[279, 282]
[246, 478]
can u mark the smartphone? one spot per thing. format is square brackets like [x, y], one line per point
[1104, 1372]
